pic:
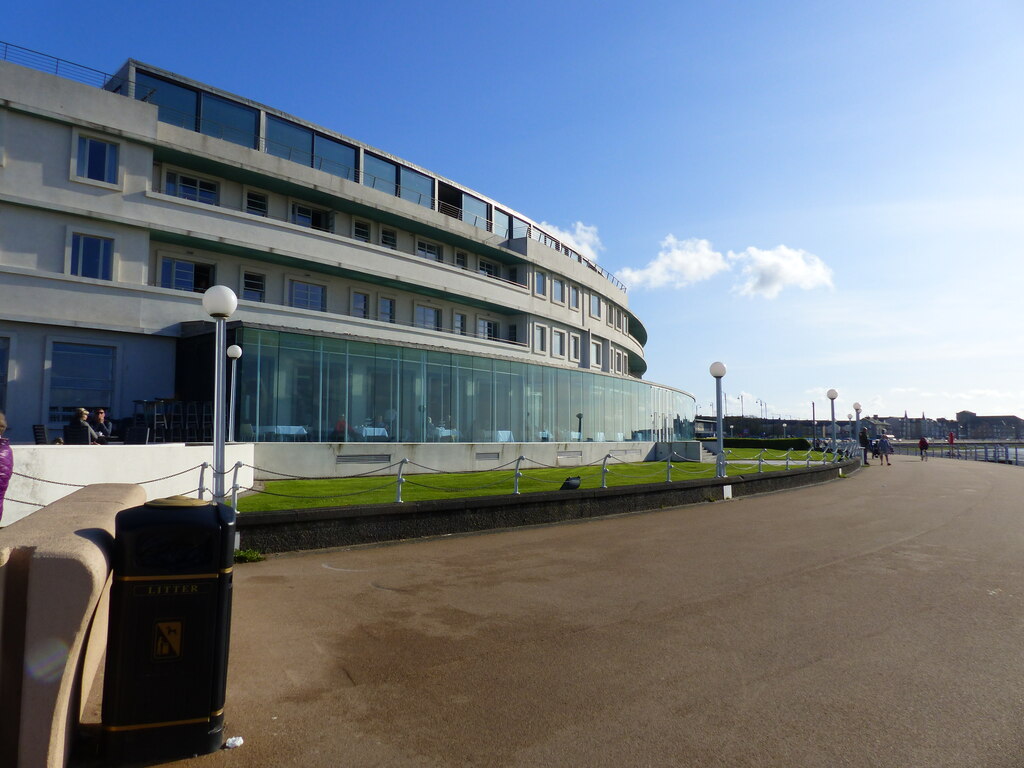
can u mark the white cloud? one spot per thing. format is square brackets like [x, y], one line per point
[768, 272]
[583, 238]
[678, 264]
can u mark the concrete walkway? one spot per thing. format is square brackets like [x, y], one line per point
[874, 621]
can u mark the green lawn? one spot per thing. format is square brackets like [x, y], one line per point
[304, 494]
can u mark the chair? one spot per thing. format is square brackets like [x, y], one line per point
[41, 434]
[136, 436]
[76, 434]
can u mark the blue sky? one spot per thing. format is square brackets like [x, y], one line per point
[818, 194]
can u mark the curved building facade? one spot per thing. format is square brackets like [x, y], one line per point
[378, 301]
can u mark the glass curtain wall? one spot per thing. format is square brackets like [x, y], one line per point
[296, 386]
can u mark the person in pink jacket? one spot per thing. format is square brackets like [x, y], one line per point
[6, 462]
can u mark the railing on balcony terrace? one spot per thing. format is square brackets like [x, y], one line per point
[52, 65]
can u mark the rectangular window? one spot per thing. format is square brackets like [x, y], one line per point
[290, 141]
[595, 354]
[488, 329]
[307, 216]
[228, 120]
[502, 224]
[307, 295]
[513, 332]
[380, 174]
[81, 375]
[256, 203]
[192, 188]
[92, 256]
[361, 231]
[618, 362]
[574, 297]
[389, 238]
[574, 347]
[540, 338]
[97, 160]
[386, 310]
[333, 157]
[558, 291]
[177, 105]
[360, 305]
[184, 275]
[461, 259]
[595, 305]
[460, 324]
[427, 250]
[540, 284]
[417, 188]
[474, 211]
[254, 286]
[488, 268]
[558, 343]
[428, 317]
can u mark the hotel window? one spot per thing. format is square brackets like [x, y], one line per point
[256, 203]
[574, 297]
[461, 259]
[97, 160]
[389, 238]
[489, 268]
[92, 256]
[307, 216]
[595, 354]
[595, 305]
[192, 188]
[361, 231]
[574, 346]
[228, 120]
[386, 310]
[428, 317]
[254, 286]
[502, 224]
[460, 324]
[540, 284]
[304, 295]
[540, 338]
[430, 251]
[380, 174]
[488, 329]
[360, 304]
[557, 291]
[618, 362]
[79, 373]
[182, 275]
[558, 343]
[417, 188]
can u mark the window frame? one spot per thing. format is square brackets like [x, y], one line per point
[169, 171]
[540, 283]
[163, 257]
[596, 354]
[574, 297]
[389, 234]
[352, 308]
[575, 347]
[595, 298]
[558, 350]
[487, 322]
[79, 136]
[290, 287]
[426, 245]
[460, 328]
[69, 251]
[327, 213]
[249, 209]
[560, 298]
[357, 225]
[394, 309]
[115, 374]
[246, 274]
[439, 317]
[540, 338]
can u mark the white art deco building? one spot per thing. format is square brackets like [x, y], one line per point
[379, 301]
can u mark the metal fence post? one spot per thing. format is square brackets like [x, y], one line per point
[668, 467]
[401, 480]
[202, 478]
[604, 470]
[515, 482]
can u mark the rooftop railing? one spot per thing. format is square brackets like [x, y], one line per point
[69, 70]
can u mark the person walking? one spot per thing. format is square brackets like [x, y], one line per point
[865, 443]
[6, 462]
[922, 446]
[884, 449]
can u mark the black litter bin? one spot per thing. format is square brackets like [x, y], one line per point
[170, 621]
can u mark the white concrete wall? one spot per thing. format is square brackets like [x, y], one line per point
[61, 469]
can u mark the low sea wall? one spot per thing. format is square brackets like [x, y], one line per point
[284, 531]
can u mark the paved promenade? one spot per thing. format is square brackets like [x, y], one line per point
[873, 621]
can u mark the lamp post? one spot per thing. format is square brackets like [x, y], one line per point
[783, 430]
[220, 302]
[234, 352]
[718, 371]
[856, 429]
[832, 395]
